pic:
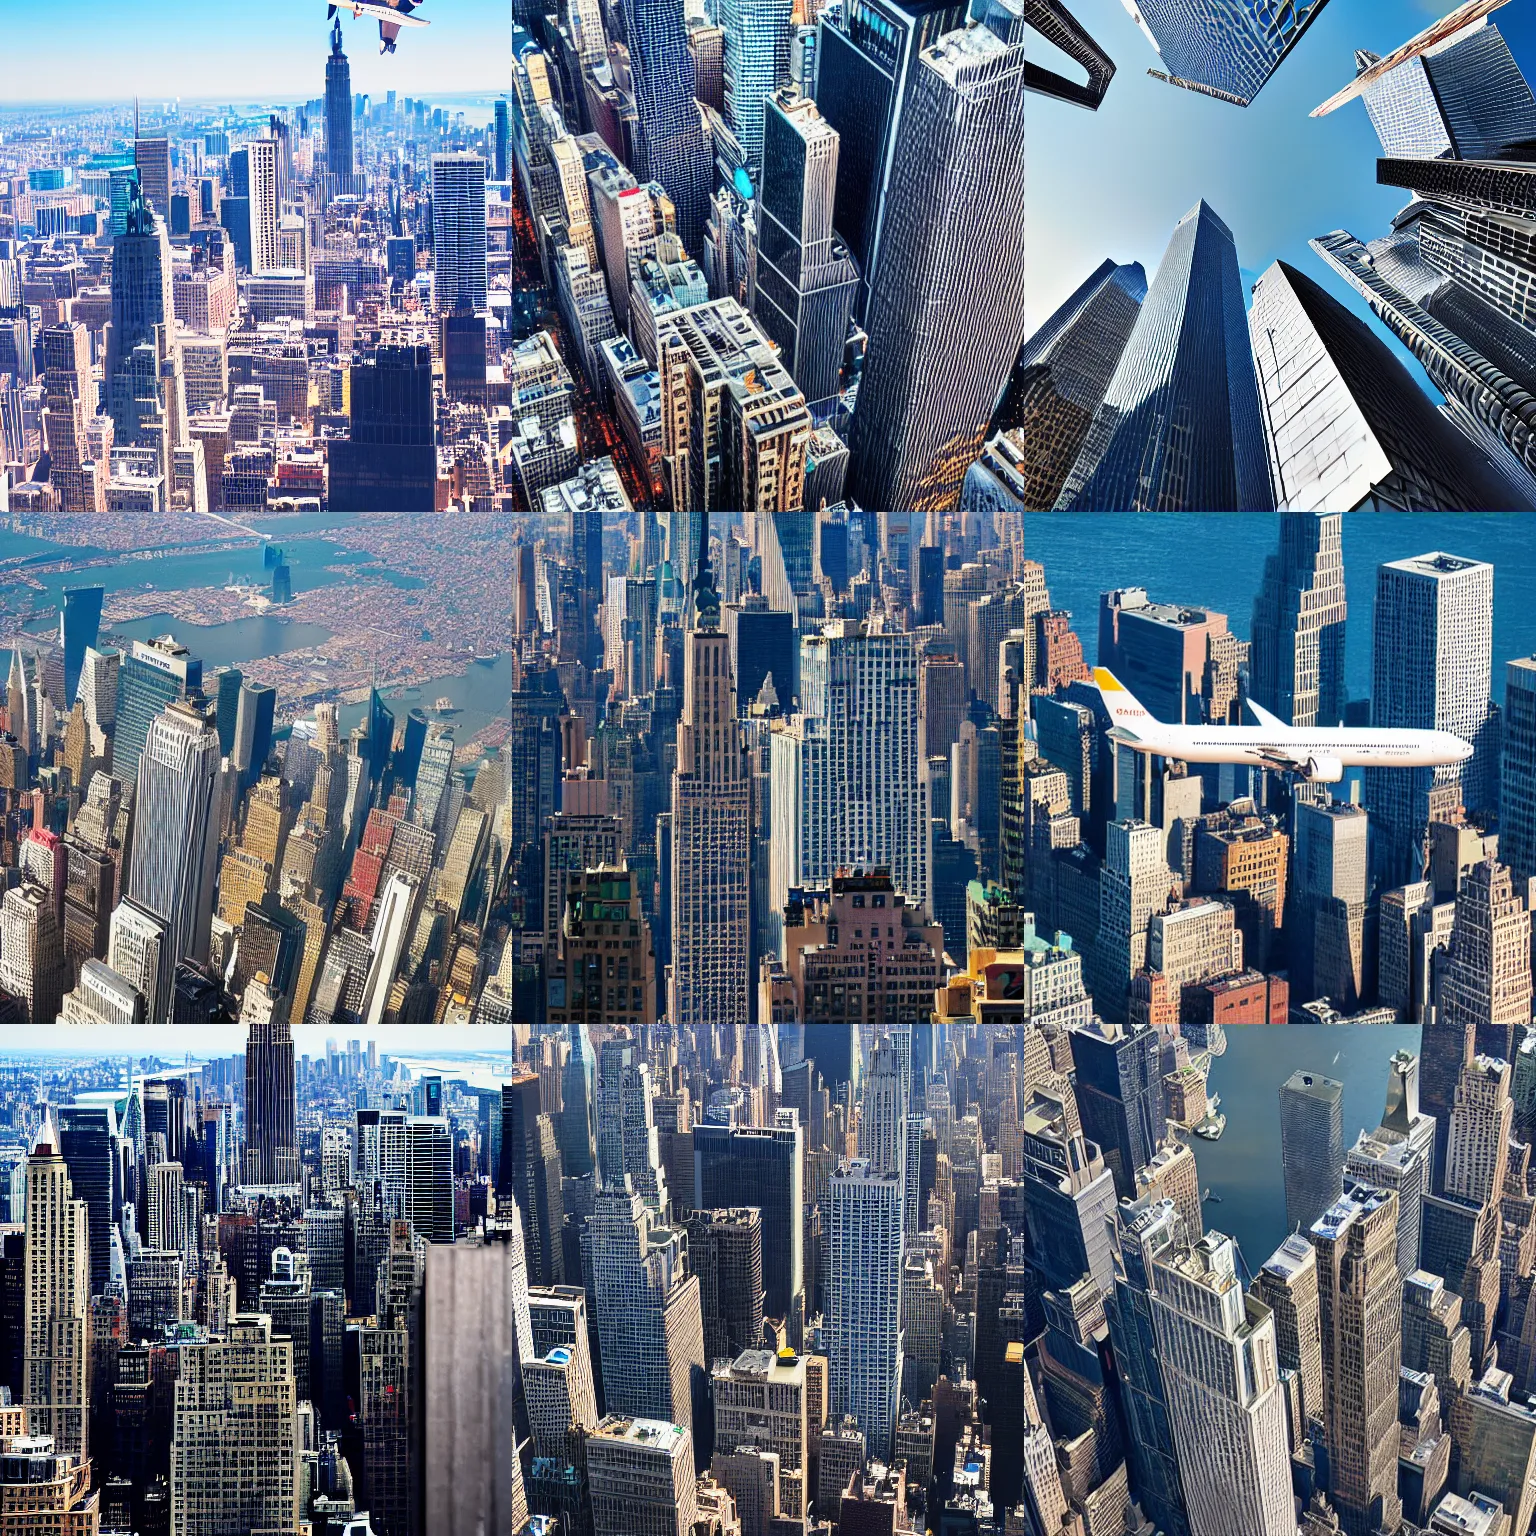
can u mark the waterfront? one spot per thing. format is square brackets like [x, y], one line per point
[230, 644]
[1243, 1168]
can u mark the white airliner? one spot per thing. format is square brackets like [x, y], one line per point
[391, 15]
[1318, 753]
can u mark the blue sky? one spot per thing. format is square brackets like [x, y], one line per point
[237, 52]
[1115, 182]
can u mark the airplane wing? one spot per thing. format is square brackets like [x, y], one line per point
[1263, 716]
[396, 16]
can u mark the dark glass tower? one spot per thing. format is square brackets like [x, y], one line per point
[1296, 660]
[86, 1133]
[141, 303]
[79, 629]
[271, 1140]
[339, 158]
[1120, 1096]
[944, 327]
[389, 463]
[503, 140]
[1062, 373]
[1179, 429]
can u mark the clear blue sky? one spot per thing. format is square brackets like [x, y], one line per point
[1115, 182]
[248, 51]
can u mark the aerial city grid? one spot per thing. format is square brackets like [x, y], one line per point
[600, 937]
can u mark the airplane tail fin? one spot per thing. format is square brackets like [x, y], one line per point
[1125, 710]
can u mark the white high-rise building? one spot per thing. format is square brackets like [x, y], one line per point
[863, 1323]
[1477, 1152]
[166, 1226]
[391, 929]
[626, 1124]
[1216, 1348]
[1134, 883]
[458, 233]
[850, 784]
[649, 1318]
[262, 162]
[135, 940]
[56, 1292]
[887, 1094]
[1432, 652]
[756, 37]
[176, 834]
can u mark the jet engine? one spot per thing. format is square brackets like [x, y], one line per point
[1324, 770]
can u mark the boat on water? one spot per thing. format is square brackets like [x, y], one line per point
[1212, 1196]
[445, 706]
[1211, 1127]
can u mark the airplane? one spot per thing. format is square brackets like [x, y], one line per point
[1319, 754]
[391, 14]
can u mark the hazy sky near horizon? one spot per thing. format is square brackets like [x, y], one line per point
[218, 50]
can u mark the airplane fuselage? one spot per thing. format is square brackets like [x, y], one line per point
[1350, 746]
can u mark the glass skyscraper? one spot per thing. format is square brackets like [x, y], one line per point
[1223, 48]
[79, 629]
[339, 161]
[1296, 657]
[153, 675]
[1179, 428]
[756, 36]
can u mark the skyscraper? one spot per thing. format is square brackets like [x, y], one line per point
[1296, 656]
[458, 233]
[389, 461]
[1431, 663]
[1517, 784]
[1287, 1285]
[756, 64]
[1216, 1351]
[503, 129]
[1346, 425]
[672, 142]
[56, 1293]
[1119, 1090]
[79, 629]
[1179, 427]
[944, 329]
[1360, 1290]
[152, 675]
[262, 183]
[1311, 1145]
[271, 1139]
[69, 403]
[141, 305]
[863, 1330]
[1330, 880]
[641, 1474]
[806, 280]
[175, 846]
[340, 164]
[1484, 988]
[152, 160]
[1062, 374]
[711, 830]
[1227, 50]
[1399, 1155]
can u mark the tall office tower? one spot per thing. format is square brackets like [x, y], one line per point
[235, 1462]
[135, 942]
[944, 329]
[389, 462]
[429, 1177]
[1436, 321]
[671, 144]
[1068, 1193]
[271, 1139]
[475, 1334]
[1346, 425]
[1360, 1293]
[853, 781]
[503, 139]
[1517, 788]
[1216, 1349]
[86, 1137]
[1134, 883]
[154, 674]
[863, 1299]
[1330, 879]
[261, 182]
[388, 1367]
[1311, 1145]
[1062, 375]
[640, 1471]
[579, 1105]
[1483, 994]
[1477, 1147]
[530, 1171]
[805, 279]
[762, 1402]
[458, 234]
[32, 961]
[649, 1319]
[711, 841]
[761, 1166]
[254, 717]
[176, 830]
[340, 163]
[1296, 655]
[1148, 1230]
[756, 64]
[55, 1300]
[1431, 655]
[69, 403]
[141, 305]
[627, 1145]
[79, 630]
[152, 160]
[725, 1250]
[1119, 1089]
[1462, 97]
[1287, 1285]
[1227, 52]
[1399, 1155]
[1188, 362]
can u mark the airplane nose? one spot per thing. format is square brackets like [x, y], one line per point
[1463, 750]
